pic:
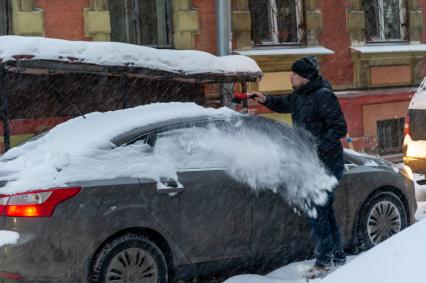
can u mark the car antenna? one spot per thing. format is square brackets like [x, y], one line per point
[75, 107]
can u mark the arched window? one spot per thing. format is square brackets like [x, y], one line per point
[143, 22]
[276, 21]
[4, 17]
[386, 20]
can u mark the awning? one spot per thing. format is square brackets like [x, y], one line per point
[46, 55]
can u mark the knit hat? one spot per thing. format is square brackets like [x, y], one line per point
[306, 67]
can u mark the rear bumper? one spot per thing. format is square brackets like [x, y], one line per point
[34, 259]
[417, 165]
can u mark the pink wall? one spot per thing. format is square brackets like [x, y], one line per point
[64, 18]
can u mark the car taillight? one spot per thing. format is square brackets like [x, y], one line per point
[40, 203]
[8, 275]
[407, 125]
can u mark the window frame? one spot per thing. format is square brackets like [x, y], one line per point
[403, 9]
[152, 138]
[163, 23]
[4, 17]
[273, 26]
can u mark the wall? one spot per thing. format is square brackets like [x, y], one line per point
[337, 68]
[206, 40]
[64, 18]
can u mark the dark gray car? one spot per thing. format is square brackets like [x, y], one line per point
[145, 230]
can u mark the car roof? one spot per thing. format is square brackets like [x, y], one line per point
[418, 101]
[129, 135]
[253, 121]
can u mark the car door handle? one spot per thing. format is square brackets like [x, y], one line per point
[169, 186]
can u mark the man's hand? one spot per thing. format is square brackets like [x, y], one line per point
[259, 97]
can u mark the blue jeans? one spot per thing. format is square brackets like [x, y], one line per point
[324, 229]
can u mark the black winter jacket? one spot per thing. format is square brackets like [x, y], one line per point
[315, 108]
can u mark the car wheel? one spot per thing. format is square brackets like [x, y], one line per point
[381, 217]
[130, 258]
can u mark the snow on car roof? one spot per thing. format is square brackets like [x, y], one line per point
[80, 135]
[419, 99]
[81, 148]
[14, 48]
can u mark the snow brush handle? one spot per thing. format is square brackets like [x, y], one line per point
[243, 95]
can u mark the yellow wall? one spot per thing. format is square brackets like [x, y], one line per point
[286, 118]
[275, 81]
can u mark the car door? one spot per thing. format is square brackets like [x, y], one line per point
[278, 228]
[204, 210]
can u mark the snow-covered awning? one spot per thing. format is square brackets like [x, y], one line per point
[38, 55]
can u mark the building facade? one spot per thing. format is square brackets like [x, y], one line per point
[372, 51]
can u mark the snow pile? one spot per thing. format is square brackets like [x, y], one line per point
[8, 238]
[419, 99]
[291, 273]
[252, 151]
[122, 54]
[398, 259]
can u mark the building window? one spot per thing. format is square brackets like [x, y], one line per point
[276, 21]
[385, 20]
[142, 22]
[4, 17]
[390, 135]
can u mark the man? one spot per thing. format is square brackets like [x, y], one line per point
[314, 107]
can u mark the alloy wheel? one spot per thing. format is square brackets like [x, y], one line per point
[384, 221]
[132, 265]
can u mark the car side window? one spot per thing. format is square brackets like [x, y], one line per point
[181, 142]
[139, 140]
[140, 144]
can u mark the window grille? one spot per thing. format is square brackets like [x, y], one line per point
[276, 21]
[143, 22]
[4, 17]
[390, 135]
[386, 20]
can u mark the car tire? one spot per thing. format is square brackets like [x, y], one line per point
[382, 216]
[130, 258]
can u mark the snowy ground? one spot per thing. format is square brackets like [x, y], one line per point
[397, 260]
[421, 198]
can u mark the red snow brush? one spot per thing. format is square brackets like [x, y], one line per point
[239, 96]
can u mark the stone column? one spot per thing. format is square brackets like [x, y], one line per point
[97, 23]
[313, 22]
[241, 24]
[355, 22]
[26, 19]
[415, 22]
[185, 24]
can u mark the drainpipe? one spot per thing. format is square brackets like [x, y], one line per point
[224, 43]
[223, 20]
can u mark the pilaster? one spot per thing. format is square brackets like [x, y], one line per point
[97, 23]
[185, 24]
[26, 19]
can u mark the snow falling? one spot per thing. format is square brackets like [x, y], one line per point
[253, 151]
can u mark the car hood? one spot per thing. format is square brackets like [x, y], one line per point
[362, 159]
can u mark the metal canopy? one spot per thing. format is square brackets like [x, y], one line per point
[60, 67]
[26, 65]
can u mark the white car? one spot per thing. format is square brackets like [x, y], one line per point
[415, 132]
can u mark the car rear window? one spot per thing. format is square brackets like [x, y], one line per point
[418, 124]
